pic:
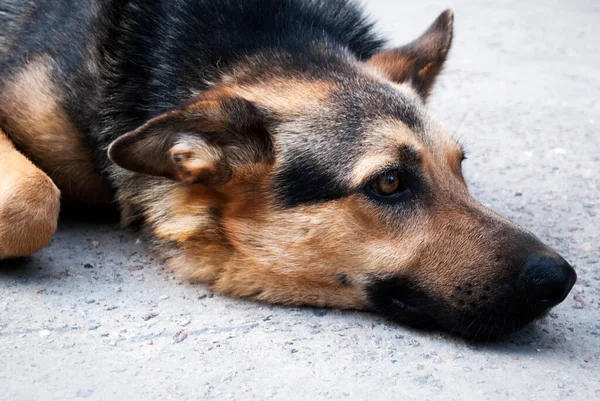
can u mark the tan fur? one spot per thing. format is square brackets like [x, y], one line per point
[387, 138]
[29, 204]
[37, 124]
[289, 97]
[197, 160]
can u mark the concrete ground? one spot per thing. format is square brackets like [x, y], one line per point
[94, 316]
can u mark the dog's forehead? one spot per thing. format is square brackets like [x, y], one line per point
[356, 124]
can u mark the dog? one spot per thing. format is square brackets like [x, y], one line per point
[274, 149]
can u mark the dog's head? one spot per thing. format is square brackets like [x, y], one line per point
[326, 182]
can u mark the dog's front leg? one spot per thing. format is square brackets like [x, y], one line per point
[29, 204]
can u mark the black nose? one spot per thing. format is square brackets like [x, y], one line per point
[547, 280]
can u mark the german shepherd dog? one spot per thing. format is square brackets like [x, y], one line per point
[271, 148]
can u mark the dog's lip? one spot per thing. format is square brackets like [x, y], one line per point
[400, 304]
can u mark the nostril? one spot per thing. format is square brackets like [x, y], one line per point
[547, 294]
[547, 281]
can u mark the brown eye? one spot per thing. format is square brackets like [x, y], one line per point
[393, 186]
[386, 184]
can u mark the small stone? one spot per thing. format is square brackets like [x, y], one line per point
[200, 297]
[294, 350]
[179, 337]
[94, 327]
[95, 244]
[518, 194]
[90, 301]
[149, 316]
[184, 322]
[88, 266]
[163, 297]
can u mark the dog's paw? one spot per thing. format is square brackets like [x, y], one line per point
[29, 209]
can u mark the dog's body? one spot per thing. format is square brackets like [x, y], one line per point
[270, 148]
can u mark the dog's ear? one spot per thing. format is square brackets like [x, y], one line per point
[420, 61]
[199, 144]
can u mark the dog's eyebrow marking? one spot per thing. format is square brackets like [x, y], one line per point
[408, 154]
[378, 161]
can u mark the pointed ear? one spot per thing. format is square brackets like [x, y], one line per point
[419, 62]
[199, 144]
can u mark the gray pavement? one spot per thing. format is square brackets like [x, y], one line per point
[95, 317]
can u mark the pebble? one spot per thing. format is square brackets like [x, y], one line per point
[90, 301]
[149, 316]
[88, 266]
[184, 322]
[179, 336]
[95, 244]
[163, 297]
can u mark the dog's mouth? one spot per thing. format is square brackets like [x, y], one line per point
[404, 302]
[400, 300]
[401, 305]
